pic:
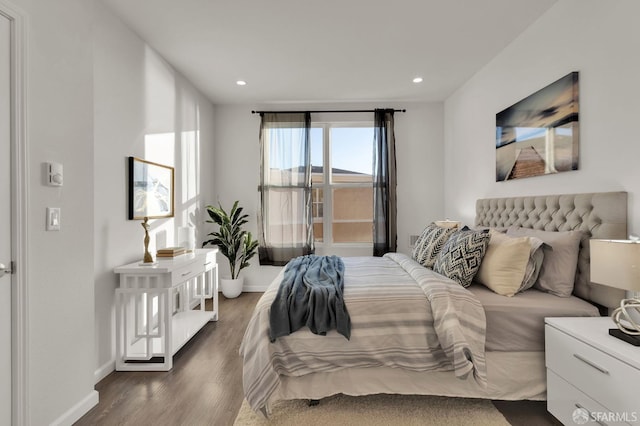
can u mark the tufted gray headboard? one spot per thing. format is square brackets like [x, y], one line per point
[598, 215]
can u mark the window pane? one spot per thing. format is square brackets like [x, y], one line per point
[317, 209]
[286, 217]
[351, 154]
[353, 232]
[352, 215]
[285, 148]
[318, 232]
[354, 203]
[286, 156]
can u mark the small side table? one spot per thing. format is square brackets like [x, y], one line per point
[592, 377]
[155, 313]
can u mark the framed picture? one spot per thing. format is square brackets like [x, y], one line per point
[540, 134]
[150, 189]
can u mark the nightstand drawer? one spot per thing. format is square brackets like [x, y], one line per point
[187, 272]
[612, 383]
[564, 402]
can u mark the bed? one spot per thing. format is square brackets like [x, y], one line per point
[510, 363]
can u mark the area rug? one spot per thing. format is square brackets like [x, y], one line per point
[374, 410]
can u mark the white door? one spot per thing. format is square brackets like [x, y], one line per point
[5, 220]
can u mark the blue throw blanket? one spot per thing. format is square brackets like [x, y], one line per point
[311, 294]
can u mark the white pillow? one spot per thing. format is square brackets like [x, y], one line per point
[505, 263]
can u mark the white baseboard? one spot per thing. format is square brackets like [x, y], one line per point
[255, 288]
[74, 413]
[104, 370]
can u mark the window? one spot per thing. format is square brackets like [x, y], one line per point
[284, 220]
[342, 183]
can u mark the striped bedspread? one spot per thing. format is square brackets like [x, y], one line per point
[402, 315]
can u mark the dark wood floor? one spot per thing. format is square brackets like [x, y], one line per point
[205, 385]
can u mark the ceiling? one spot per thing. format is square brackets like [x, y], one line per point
[328, 51]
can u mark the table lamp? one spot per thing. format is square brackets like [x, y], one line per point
[616, 263]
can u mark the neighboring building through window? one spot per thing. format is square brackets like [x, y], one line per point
[342, 183]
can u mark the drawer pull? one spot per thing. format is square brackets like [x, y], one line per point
[186, 273]
[592, 364]
[591, 417]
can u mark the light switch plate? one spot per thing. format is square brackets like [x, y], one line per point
[53, 218]
[54, 174]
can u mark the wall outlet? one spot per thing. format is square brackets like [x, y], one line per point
[413, 239]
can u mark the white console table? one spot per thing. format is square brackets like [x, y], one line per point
[155, 313]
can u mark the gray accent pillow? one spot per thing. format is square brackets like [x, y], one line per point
[429, 244]
[558, 272]
[536, 257]
[462, 254]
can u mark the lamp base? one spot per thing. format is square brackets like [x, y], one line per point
[629, 338]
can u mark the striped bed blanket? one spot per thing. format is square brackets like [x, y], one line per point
[402, 316]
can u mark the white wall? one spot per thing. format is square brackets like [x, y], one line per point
[59, 265]
[597, 38]
[419, 145]
[143, 108]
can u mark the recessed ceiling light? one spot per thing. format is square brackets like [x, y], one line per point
[417, 80]
[241, 83]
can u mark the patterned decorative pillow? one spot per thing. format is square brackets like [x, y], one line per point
[429, 244]
[462, 254]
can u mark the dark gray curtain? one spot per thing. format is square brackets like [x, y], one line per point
[285, 219]
[385, 227]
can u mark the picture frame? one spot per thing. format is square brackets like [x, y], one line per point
[540, 134]
[151, 190]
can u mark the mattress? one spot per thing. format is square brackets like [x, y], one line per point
[517, 323]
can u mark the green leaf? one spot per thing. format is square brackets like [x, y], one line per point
[235, 243]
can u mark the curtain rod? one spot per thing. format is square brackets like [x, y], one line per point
[324, 111]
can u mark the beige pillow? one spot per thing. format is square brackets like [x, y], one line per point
[505, 263]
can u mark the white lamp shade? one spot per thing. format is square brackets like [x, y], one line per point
[616, 263]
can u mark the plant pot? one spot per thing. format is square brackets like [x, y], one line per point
[231, 288]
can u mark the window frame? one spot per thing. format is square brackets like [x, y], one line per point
[328, 186]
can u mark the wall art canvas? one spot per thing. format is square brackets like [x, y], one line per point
[150, 189]
[539, 135]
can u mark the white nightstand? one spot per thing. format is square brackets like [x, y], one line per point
[592, 378]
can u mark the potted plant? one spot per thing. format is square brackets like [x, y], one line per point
[236, 244]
